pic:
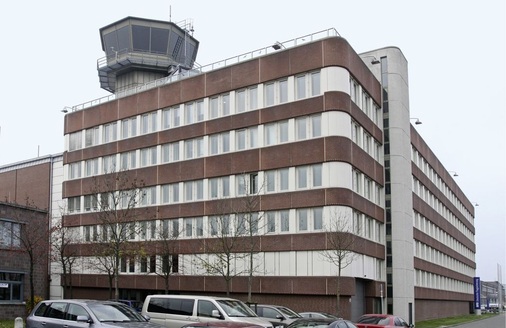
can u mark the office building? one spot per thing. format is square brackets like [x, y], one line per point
[282, 143]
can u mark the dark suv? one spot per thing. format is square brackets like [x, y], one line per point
[82, 313]
[278, 315]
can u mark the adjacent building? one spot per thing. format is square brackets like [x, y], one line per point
[27, 189]
[282, 143]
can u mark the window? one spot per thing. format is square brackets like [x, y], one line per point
[91, 167]
[300, 87]
[283, 179]
[219, 143]
[90, 203]
[110, 132]
[170, 152]
[302, 217]
[75, 141]
[91, 137]
[149, 123]
[276, 92]
[271, 221]
[219, 187]
[308, 127]
[10, 232]
[315, 84]
[354, 91]
[246, 138]
[109, 164]
[310, 218]
[284, 221]
[171, 117]
[276, 133]
[219, 106]
[148, 156]
[75, 170]
[309, 176]
[128, 160]
[170, 193]
[356, 133]
[276, 180]
[247, 184]
[317, 218]
[90, 233]
[12, 283]
[194, 148]
[357, 182]
[148, 196]
[74, 204]
[194, 112]
[194, 190]
[129, 128]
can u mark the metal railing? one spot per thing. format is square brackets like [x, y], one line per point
[331, 32]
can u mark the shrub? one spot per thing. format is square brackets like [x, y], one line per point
[30, 306]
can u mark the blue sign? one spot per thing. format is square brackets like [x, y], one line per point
[477, 293]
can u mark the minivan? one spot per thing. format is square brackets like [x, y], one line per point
[175, 311]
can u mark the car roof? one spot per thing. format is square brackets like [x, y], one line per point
[82, 301]
[193, 296]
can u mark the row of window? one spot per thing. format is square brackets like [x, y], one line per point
[274, 93]
[366, 187]
[427, 196]
[364, 101]
[429, 228]
[365, 141]
[241, 224]
[432, 255]
[305, 127]
[295, 178]
[435, 281]
[427, 169]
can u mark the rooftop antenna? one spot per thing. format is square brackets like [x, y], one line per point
[170, 13]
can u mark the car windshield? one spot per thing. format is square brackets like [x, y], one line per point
[289, 313]
[114, 312]
[236, 308]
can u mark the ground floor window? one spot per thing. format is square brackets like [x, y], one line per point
[11, 286]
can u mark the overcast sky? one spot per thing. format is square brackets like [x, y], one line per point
[455, 51]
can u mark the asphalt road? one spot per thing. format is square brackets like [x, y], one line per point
[498, 321]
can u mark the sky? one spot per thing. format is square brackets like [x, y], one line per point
[456, 52]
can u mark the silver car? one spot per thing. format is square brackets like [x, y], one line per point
[86, 313]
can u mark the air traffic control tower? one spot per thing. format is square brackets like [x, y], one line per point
[139, 50]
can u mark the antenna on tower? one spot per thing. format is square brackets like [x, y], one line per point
[170, 13]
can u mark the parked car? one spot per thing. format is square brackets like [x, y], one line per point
[175, 311]
[318, 315]
[221, 324]
[321, 323]
[381, 321]
[85, 313]
[276, 313]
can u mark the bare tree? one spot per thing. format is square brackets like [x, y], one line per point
[234, 235]
[116, 197]
[64, 252]
[30, 230]
[167, 235]
[248, 220]
[220, 253]
[341, 241]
